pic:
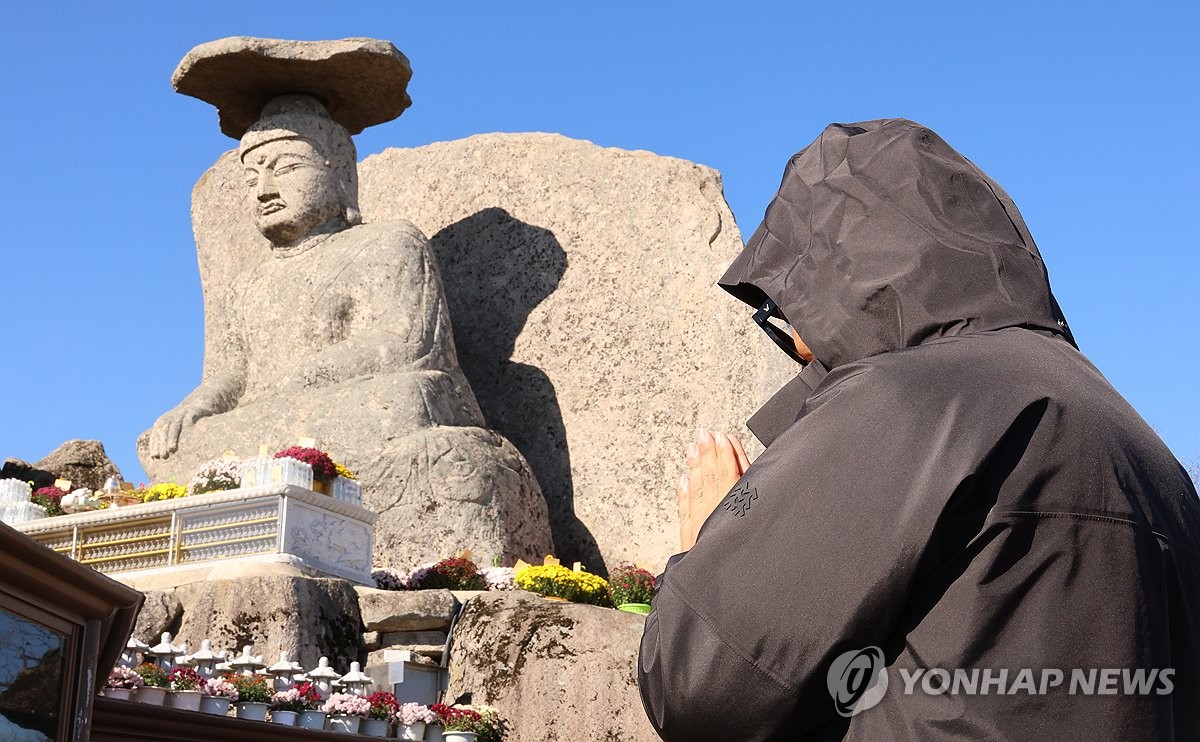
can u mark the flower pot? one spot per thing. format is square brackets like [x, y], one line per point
[344, 723]
[215, 705]
[460, 737]
[411, 731]
[374, 727]
[252, 711]
[435, 733]
[184, 700]
[121, 694]
[311, 720]
[150, 696]
[286, 718]
[643, 608]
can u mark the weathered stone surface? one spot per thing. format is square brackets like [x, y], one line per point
[306, 617]
[319, 326]
[581, 283]
[562, 672]
[83, 462]
[361, 81]
[389, 611]
[371, 641]
[26, 472]
[427, 643]
[161, 612]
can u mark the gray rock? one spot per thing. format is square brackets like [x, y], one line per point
[559, 672]
[581, 284]
[306, 617]
[388, 611]
[83, 462]
[361, 81]
[371, 641]
[161, 612]
[26, 472]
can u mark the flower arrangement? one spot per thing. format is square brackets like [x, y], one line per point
[184, 678]
[123, 677]
[163, 491]
[300, 697]
[631, 584]
[342, 471]
[415, 713]
[490, 727]
[49, 498]
[216, 475]
[152, 675]
[219, 687]
[499, 578]
[454, 573]
[347, 704]
[251, 688]
[456, 718]
[383, 705]
[388, 579]
[323, 467]
[557, 581]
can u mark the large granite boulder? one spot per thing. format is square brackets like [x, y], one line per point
[83, 462]
[581, 285]
[559, 672]
[306, 617]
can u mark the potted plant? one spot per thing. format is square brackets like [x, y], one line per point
[286, 705]
[490, 727]
[49, 498]
[162, 491]
[323, 468]
[346, 711]
[557, 582]
[254, 696]
[121, 683]
[184, 684]
[458, 722]
[216, 695]
[216, 475]
[411, 720]
[455, 573]
[310, 714]
[632, 588]
[154, 684]
[383, 709]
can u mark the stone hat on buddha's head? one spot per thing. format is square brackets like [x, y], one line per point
[298, 116]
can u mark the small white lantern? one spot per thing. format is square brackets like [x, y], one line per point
[134, 651]
[246, 663]
[164, 653]
[281, 673]
[355, 681]
[206, 660]
[322, 676]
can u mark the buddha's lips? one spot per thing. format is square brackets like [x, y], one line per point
[272, 207]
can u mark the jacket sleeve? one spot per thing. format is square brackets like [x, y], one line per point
[811, 555]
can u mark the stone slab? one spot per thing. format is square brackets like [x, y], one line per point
[388, 611]
[361, 81]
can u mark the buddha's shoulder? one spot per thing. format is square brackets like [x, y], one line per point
[390, 232]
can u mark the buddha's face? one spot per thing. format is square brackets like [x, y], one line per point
[292, 188]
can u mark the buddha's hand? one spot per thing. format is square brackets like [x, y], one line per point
[164, 436]
[715, 462]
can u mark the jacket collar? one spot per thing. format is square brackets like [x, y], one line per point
[783, 409]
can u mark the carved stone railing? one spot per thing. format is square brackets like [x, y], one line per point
[327, 535]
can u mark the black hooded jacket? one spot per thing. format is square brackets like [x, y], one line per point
[951, 482]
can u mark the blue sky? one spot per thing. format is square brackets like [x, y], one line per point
[1085, 112]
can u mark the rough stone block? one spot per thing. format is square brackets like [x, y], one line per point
[389, 611]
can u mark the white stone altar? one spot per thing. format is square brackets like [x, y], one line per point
[314, 532]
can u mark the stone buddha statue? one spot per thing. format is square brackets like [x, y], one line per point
[343, 335]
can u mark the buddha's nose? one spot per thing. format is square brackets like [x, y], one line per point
[266, 189]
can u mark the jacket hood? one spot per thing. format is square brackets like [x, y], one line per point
[882, 237]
